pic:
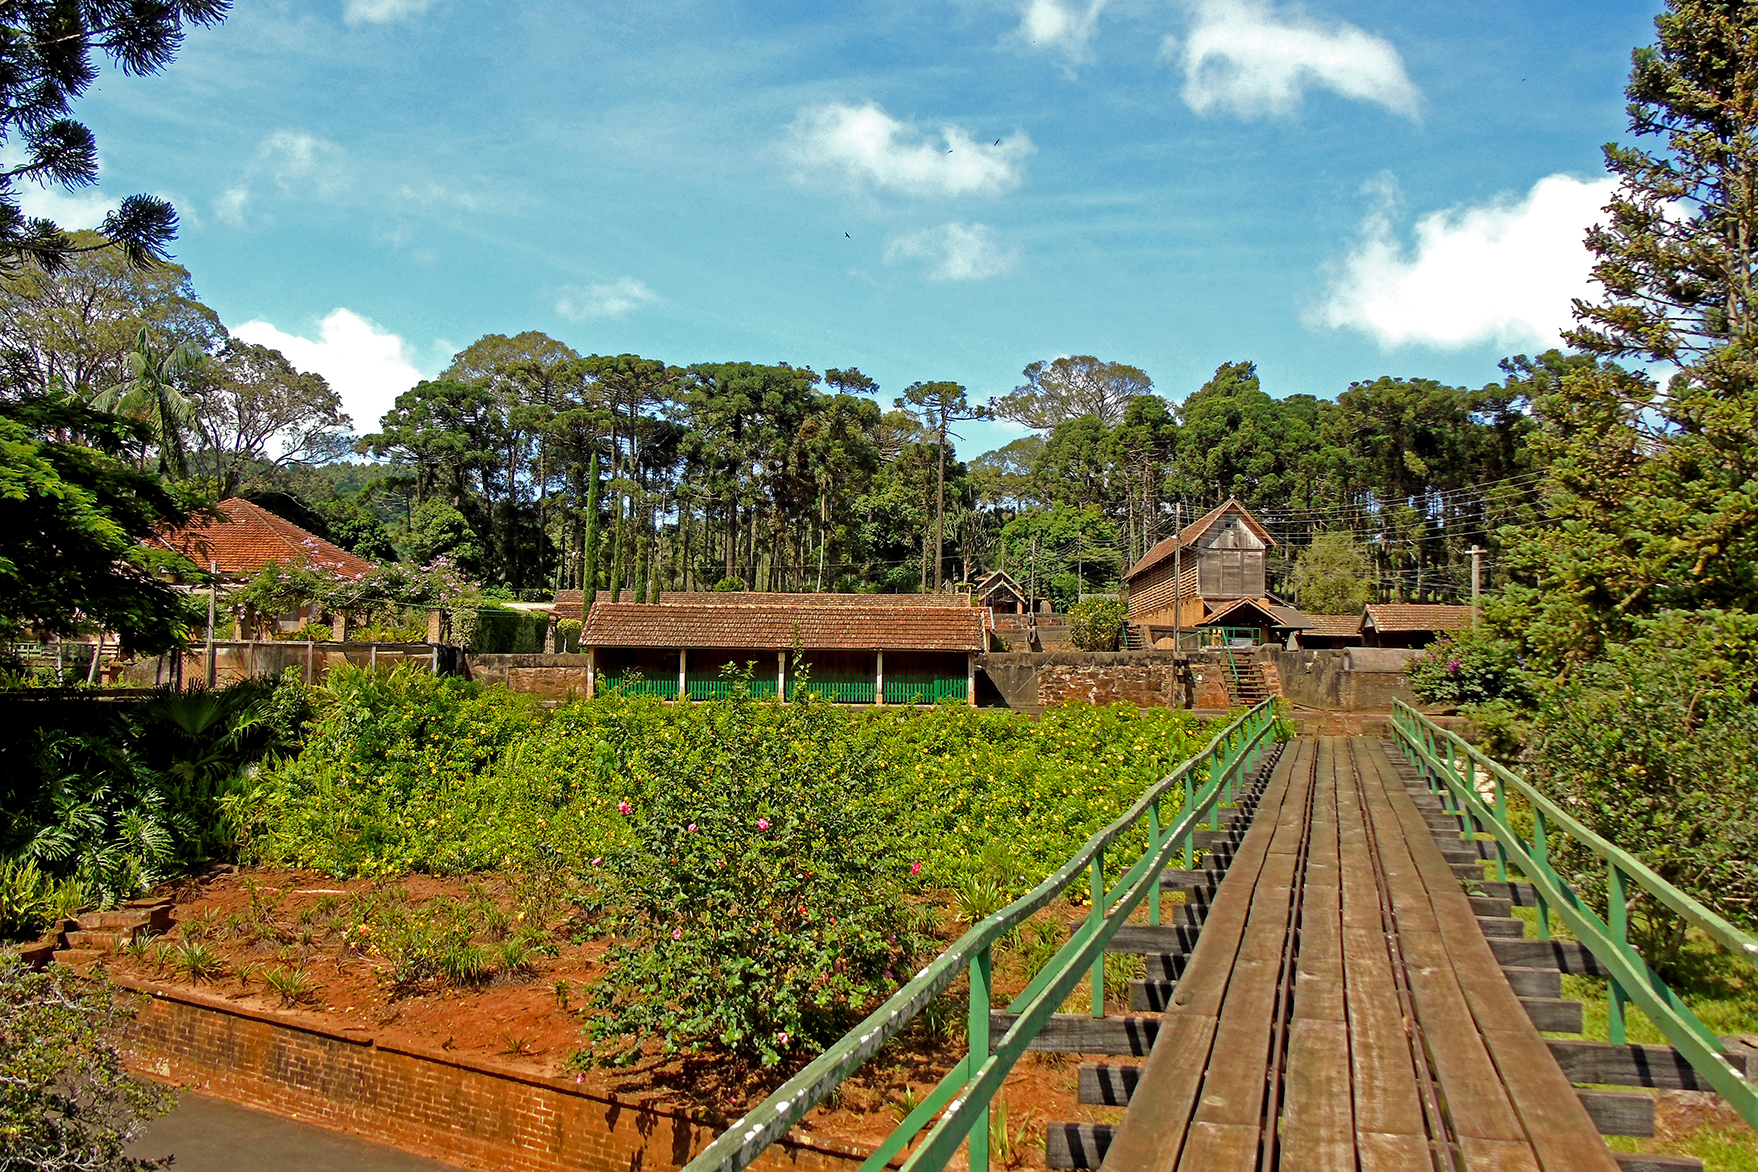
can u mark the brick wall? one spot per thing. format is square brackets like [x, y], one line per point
[424, 1102]
[554, 677]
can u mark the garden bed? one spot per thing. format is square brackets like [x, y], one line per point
[236, 938]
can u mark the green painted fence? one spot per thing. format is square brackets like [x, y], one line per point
[635, 684]
[1476, 786]
[961, 1100]
[923, 688]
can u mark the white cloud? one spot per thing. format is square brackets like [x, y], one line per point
[296, 161]
[956, 252]
[69, 209]
[383, 11]
[1502, 272]
[871, 148]
[368, 366]
[612, 299]
[1059, 25]
[1253, 59]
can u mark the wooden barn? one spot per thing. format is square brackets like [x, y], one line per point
[1207, 583]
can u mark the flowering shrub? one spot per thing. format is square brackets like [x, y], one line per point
[1467, 667]
[759, 893]
[1096, 624]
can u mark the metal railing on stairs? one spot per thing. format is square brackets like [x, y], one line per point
[1206, 782]
[1477, 787]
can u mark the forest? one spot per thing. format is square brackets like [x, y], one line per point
[531, 467]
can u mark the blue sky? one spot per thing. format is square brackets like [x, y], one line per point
[1334, 190]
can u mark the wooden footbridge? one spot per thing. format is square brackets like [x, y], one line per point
[1344, 985]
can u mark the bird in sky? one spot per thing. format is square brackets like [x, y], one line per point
[998, 141]
[850, 237]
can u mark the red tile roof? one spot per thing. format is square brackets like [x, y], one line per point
[250, 537]
[868, 625]
[1194, 530]
[1333, 626]
[1417, 616]
[569, 604]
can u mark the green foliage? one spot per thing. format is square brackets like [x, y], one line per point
[397, 776]
[1333, 576]
[67, 1100]
[729, 585]
[72, 521]
[568, 635]
[758, 888]
[1066, 551]
[500, 630]
[121, 799]
[1655, 746]
[1473, 666]
[1096, 624]
[26, 899]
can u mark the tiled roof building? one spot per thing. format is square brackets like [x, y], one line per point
[1412, 624]
[248, 537]
[857, 648]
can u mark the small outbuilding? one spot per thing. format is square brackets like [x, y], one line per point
[1329, 631]
[1412, 624]
[854, 648]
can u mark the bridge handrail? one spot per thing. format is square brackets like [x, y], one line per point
[1230, 756]
[1444, 756]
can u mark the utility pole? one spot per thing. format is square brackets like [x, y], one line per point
[1476, 580]
[213, 572]
[1178, 590]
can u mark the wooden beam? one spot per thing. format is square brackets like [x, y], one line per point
[1603, 1064]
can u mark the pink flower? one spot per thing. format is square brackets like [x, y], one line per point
[624, 808]
[915, 868]
[692, 828]
[579, 1078]
[762, 824]
[598, 862]
[782, 1037]
[677, 933]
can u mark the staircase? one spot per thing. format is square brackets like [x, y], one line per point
[1246, 685]
[95, 935]
[1135, 638]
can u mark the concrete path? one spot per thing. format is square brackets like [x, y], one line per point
[212, 1135]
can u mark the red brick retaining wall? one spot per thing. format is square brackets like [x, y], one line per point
[424, 1102]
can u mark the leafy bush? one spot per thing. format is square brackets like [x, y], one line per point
[67, 1100]
[1096, 624]
[759, 889]
[1471, 666]
[568, 634]
[1655, 747]
[26, 898]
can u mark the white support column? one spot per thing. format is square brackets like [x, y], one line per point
[683, 674]
[591, 671]
[970, 680]
[781, 675]
[879, 685]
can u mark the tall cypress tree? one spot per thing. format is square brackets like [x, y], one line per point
[590, 576]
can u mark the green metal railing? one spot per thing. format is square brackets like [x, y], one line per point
[1457, 770]
[838, 687]
[961, 1100]
[922, 688]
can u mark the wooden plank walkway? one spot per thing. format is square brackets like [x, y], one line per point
[1342, 1008]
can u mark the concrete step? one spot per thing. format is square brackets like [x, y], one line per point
[1077, 1145]
[1150, 996]
[1567, 956]
[1528, 982]
[1489, 905]
[1555, 1015]
[1520, 894]
[1077, 1033]
[99, 941]
[1603, 1064]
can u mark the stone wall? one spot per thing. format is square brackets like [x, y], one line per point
[432, 1104]
[236, 660]
[1148, 679]
[1349, 679]
[553, 677]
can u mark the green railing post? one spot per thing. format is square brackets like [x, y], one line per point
[1153, 847]
[1617, 919]
[1501, 817]
[1540, 857]
[1096, 915]
[977, 1030]
[1190, 834]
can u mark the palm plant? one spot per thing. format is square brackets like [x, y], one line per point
[150, 393]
